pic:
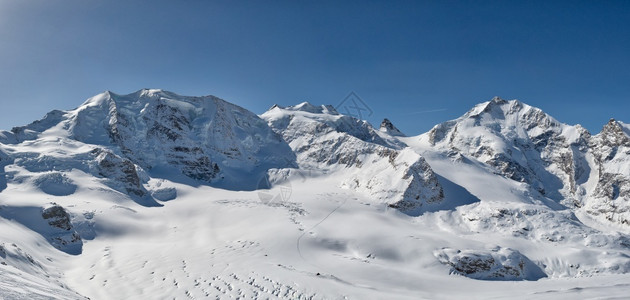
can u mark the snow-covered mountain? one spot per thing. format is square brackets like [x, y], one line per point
[203, 138]
[158, 195]
[610, 198]
[372, 162]
[520, 142]
[561, 162]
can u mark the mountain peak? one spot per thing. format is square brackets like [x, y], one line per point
[614, 133]
[387, 124]
[310, 108]
[206, 138]
[388, 127]
[150, 91]
[499, 100]
[497, 107]
[612, 126]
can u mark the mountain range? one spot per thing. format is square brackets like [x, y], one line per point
[158, 195]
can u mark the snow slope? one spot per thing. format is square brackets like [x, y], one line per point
[84, 213]
[372, 162]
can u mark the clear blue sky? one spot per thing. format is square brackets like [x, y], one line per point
[417, 63]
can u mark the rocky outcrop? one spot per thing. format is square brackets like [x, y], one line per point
[495, 264]
[57, 217]
[61, 234]
[121, 172]
[611, 197]
[389, 128]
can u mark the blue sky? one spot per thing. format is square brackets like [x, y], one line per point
[417, 63]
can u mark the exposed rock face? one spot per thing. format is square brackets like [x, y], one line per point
[564, 163]
[374, 163]
[389, 128]
[62, 234]
[496, 264]
[206, 138]
[522, 143]
[121, 172]
[611, 196]
[57, 217]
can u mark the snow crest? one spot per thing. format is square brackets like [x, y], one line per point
[372, 162]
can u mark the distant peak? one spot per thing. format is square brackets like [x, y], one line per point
[388, 127]
[330, 109]
[310, 108]
[150, 91]
[612, 126]
[497, 99]
[139, 93]
[496, 105]
[614, 133]
[305, 105]
[387, 124]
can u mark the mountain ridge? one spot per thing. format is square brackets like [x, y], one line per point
[527, 145]
[305, 202]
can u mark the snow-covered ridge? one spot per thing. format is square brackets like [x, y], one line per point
[203, 138]
[519, 141]
[310, 108]
[562, 162]
[372, 161]
[327, 118]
